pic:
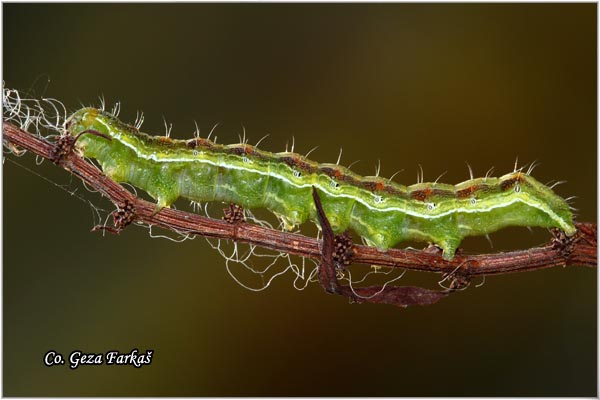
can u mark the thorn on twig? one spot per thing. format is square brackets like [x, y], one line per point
[563, 243]
[63, 147]
[122, 217]
[343, 251]
[65, 144]
[459, 280]
[234, 214]
[327, 274]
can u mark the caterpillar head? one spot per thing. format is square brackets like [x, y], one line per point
[86, 118]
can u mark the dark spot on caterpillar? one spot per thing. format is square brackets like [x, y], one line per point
[205, 143]
[349, 179]
[507, 184]
[198, 142]
[289, 160]
[393, 190]
[237, 150]
[368, 185]
[377, 186]
[418, 195]
[252, 151]
[329, 171]
[467, 192]
[165, 140]
[295, 161]
[423, 194]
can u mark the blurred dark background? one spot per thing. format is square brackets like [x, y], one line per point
[407, 84]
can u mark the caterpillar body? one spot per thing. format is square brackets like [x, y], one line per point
[381, 211]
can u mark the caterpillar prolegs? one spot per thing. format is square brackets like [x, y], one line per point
[384, 213]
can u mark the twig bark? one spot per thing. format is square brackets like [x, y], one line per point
[579, 250]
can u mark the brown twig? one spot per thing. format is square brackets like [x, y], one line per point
[402, 296]
[579, 250]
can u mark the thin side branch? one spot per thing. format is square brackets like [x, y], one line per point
[402, 296]
[579, 250]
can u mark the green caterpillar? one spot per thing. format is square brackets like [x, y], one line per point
[382, 212]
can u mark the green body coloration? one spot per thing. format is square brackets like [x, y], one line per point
[382, 212]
